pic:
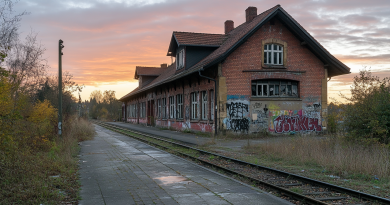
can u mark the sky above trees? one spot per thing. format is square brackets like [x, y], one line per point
[106, 39]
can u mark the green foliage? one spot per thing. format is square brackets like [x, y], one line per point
[104, 105]
[333, 117]
[367, 113]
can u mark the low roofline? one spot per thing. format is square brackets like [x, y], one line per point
[317, 49]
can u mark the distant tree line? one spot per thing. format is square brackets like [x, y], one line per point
[104, 106]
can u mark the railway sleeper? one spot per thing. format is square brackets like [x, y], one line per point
[331, 198]
[292, 184]
[317, 193]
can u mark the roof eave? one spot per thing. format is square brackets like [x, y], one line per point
[173, 45]
[325, 55]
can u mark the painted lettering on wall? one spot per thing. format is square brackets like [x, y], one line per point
[237, 116]
[307, 119]
[237, 125]
[237, 110]
[285, 123]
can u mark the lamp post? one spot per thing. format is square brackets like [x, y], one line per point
[60, 47]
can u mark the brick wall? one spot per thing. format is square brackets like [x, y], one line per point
[248, 57]
[191, 84]
[309, 73]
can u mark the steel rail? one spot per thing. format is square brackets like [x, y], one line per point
[307, 180]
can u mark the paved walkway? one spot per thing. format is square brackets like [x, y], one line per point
[181, 136]
[116, 169]
[194, 139]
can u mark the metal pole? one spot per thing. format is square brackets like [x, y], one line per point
[60, 47]
[215, 100]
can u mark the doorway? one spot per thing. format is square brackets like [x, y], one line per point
[150, 113]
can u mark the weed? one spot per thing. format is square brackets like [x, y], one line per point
[188, 131]
[296, 190]
[46, 176]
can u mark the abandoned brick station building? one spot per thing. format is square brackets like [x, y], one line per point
[270, 74]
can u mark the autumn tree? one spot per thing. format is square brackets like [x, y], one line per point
[367, 113]
[104, 105]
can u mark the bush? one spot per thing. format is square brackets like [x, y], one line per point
[367, 113]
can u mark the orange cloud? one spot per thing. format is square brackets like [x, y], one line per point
[104, 42]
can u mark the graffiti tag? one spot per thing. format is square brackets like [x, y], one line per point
[285, 123]
[237, 110]
[237, 125]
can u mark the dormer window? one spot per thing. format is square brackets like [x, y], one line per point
[273, 54]
[180, 59]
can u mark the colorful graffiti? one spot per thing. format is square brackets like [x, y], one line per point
[294, 120]
[285, 123]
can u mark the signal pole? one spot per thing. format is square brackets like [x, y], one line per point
[60, 47]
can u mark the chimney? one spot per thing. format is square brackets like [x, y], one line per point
[229, 26]
[164, 65]
[251, 13]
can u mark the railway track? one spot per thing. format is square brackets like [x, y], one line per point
[297, 189]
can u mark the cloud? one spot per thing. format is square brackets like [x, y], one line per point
[105, 39]
[360, 20]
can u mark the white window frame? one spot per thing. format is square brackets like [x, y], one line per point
[179, 101]
[194, 105]
[172, 107]
[159, 108]
[144, 109]
[204, 105]
[272, 53]
[141, 110]
[164, 108]
[274, 88]
[212, 106]
[180, 59]
[134, 110]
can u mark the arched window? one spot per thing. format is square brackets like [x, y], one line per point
[273, 54]
[274, 88]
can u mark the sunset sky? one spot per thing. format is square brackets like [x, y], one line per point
[106, 39]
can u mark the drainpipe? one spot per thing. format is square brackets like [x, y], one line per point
[215, 99]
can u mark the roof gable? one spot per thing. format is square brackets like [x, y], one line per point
[147, 71]
[194, 39]
[240, 34]
[235, 38]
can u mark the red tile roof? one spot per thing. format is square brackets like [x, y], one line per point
[149, 71]
[231, 38]
[189, 38]
[169, 71]
[227, 42]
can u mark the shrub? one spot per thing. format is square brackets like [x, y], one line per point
[367, 113]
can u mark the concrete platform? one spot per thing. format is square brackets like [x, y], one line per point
[181, 136]
[116, 169]
[194, 139]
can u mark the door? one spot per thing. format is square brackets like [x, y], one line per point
[152, 112]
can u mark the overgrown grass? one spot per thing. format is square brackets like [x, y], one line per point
[44, 176]
[229, 135]
[333, 154]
